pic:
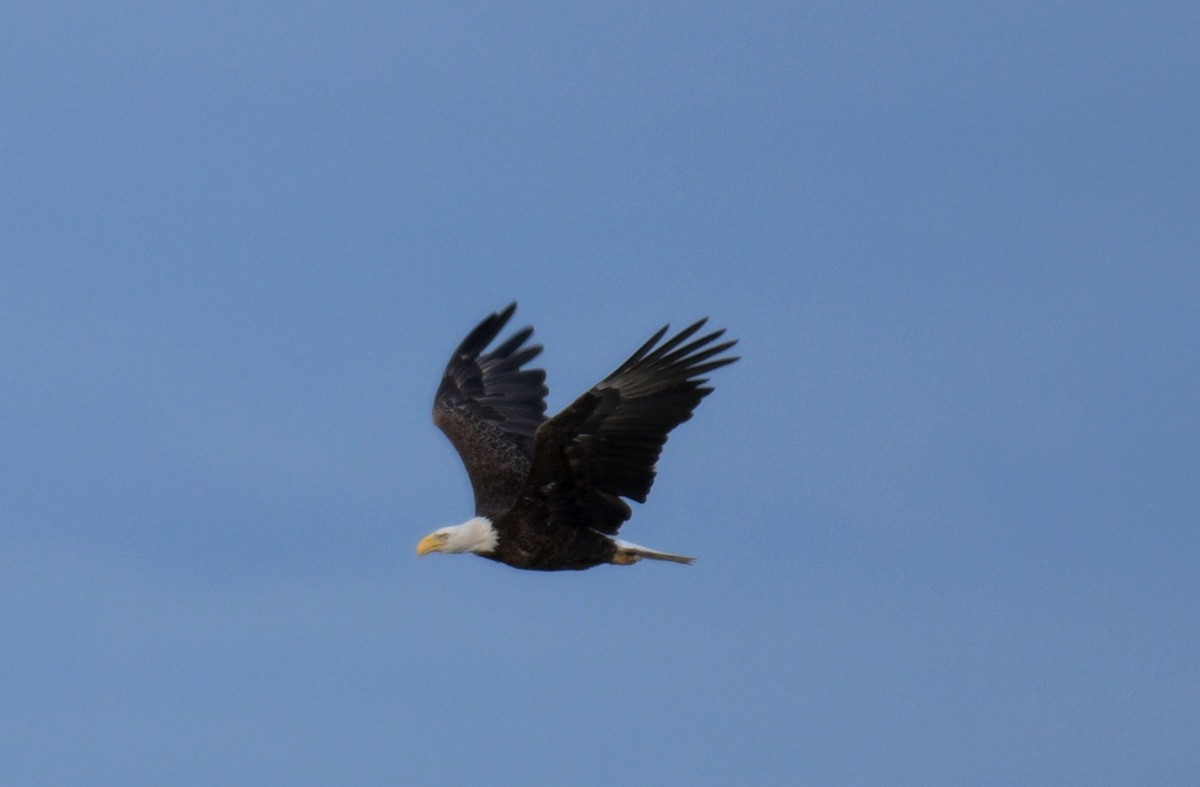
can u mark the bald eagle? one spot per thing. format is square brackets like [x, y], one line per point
[548, 491]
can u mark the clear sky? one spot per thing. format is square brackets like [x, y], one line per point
[946, 508]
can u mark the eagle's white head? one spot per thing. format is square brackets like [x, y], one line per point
[474, 535]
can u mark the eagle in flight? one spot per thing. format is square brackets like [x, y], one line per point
[548, 491]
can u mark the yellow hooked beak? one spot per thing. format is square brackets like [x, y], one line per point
[431, 543]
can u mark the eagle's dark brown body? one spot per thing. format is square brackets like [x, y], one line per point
[550, 549]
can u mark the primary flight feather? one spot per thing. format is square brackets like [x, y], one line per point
[548, 492]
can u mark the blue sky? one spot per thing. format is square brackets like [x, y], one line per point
[947, 507]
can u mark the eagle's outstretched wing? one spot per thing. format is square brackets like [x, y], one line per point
[605, 445]
[490, 407]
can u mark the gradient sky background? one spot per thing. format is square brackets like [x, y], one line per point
[947, 507]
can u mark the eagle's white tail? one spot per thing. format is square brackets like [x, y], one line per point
[628, 554]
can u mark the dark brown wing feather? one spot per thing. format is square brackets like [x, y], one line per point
[490, 407]
[605, 445]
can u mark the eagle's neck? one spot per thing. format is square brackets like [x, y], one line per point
[477, 535]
